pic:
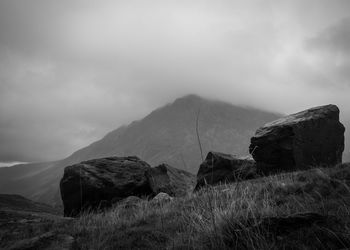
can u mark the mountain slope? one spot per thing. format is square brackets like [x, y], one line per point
[167, 135]
[14, 202]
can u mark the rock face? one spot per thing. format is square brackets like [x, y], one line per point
[313, 137]
[220, 168]
[170, 180]
[88, 184]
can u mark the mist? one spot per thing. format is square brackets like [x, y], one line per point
[71, 71]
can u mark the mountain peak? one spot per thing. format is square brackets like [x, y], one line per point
[191, 98]
[166, 135]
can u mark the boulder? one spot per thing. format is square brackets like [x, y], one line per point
[223, 168]
[313, 137]
[170, 180]
[85, 185]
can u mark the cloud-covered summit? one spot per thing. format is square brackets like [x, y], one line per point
[72, 70]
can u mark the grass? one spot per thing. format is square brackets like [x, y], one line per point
[231, 216]
[265, 213]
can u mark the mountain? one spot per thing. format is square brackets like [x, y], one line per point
[14, 202]
[167, 135]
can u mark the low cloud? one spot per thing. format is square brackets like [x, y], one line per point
[70, 71]
[333, 39]
[331, 52]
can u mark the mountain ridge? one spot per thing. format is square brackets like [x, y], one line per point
[166, 135]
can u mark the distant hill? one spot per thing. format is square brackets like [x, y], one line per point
[167, 135]
[13, 202]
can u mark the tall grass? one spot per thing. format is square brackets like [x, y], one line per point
[226, 217]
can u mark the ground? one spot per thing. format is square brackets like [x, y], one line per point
[301, 210]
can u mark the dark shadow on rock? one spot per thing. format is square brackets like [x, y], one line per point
[224, 168]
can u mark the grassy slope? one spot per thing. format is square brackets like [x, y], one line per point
[224, 217]
[229, 217]
[15, 202]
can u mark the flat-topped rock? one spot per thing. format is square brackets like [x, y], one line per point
[95, 183]
[313, 137]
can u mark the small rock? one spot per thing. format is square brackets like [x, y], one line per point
[23, 221]
[162, 198]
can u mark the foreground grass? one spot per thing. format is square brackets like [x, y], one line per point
[230, 217]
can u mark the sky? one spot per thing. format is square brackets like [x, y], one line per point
[73, 70]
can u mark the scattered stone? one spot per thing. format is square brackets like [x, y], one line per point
[162, 198]
[313, 137]
[85, 185]
[224, 168]
[170, 180]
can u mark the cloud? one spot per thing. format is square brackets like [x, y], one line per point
[10, 164]
[70, 71]
[330, 51]
[333, 39]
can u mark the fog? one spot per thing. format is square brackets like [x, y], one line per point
[70, 71]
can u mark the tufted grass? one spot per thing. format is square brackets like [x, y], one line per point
[226, 216]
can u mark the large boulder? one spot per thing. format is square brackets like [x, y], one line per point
[224, 168]
[90, 184]
[170, 180]
[313, 137]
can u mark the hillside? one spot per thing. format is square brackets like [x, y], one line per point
[21, 218]
[10, 202]
[299, 210]
[167, 135]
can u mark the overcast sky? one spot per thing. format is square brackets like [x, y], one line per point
[72, 70]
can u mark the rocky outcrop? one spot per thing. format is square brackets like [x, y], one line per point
[170, 180]
[313, 137]
[223, 168]
[91, 183]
